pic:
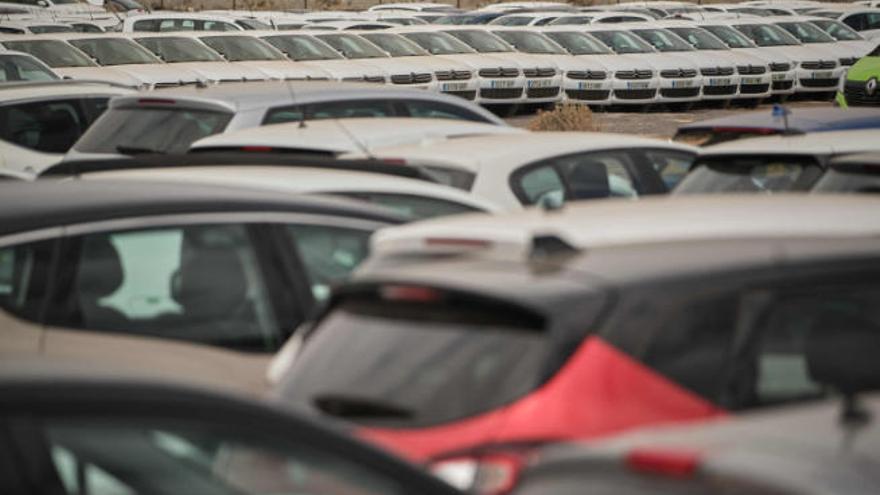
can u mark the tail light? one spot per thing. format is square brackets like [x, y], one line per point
[493, 473]
[668, 463]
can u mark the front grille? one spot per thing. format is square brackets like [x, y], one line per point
[780, 67]
[167, 85]
[679, 92]
[453, 75]
[819, 83]
[719, 90]
[717, 71]
[540, 72]
[634, 74]
[467, 95]
[750, 89]
[855, 94]
[542, 92]
[370, 79]
[588, 94]
[751, 69]
[847, 62]
[586, 74]
[500, 93]
[821, 64]
[420, 78]
[782, 85]
[678, 74]
[499, 72]
[635, 94]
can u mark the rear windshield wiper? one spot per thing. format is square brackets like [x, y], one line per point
[134, 150]
[348, 406]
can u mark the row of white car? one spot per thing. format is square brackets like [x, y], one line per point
[603, 64]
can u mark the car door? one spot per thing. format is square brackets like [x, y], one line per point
[24, 279]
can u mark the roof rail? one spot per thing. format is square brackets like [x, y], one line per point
[75, 168]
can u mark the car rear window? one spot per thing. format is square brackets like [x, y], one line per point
[756, 174]
[415, 356]
[151, 130]
[412, 206]
[850, 178]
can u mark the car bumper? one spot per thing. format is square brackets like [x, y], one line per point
[467, 89]
[818, 81]
[587, 91]
[782, 82]
[543, 89]
[634, 92]
[680, 89]
[501, 90]
[755, 86]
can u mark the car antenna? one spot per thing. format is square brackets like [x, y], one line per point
[360, 145]
[302, 113]
[780, 111]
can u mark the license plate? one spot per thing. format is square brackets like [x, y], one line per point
[778, 77]
[722, 81]
[751, 80]
[454, 86]
[637, 85]
[682, 84]
[822, 74]
[508, 83]
[539, 83]
[589, 85]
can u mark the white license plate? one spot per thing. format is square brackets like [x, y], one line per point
[540, 83]
[682, 84]
[454, 86]
[719, 81]
[589, 85]
[637, 85]
[778, 77]
[822, 74]
[504, 83]
[751, 80]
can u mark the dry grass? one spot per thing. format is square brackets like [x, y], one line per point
[565, 117]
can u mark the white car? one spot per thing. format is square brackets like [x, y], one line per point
[752, 72]
[517, 170]
[808, 33]
[33, 27]
[48, 118]
[173, 21]
[334, 137]
[301, 47]
[169, 121]
[525, 19]
[362, 25]
[536, 5]
[19, 66]
[584, 18]
[248, 50]
[452, 77]
[432, 7]
[864, 20]
[843, 34]
[191, 54]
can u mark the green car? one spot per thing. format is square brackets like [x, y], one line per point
[862, 87]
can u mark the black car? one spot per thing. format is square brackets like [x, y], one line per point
[68, 431]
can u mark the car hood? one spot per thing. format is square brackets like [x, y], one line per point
[800, 53]
[567, 62]
[158, 73]
[222, 71]
[108, 74]
[340, 69]
[433, 63]
[481, 61]
[770, 57]
[616, 62]
[284, 69]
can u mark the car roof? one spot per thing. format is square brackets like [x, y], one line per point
[51, 203]
[36, 90]
[512, 150]
[818, 143]
[799, 119]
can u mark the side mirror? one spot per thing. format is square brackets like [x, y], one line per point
[843, 353]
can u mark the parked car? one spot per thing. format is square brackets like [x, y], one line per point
[517, 170]
[302, 47]
[174, 21]
[810, 34]
[40, 121]
[856, 173]
[861, 85]
[359, 25]
[18, 66]
[467, 342]
[33, 27]
[250, 51]
[866, 21]
[191, 54]
[778, 121]
[171, 120]
[84, 428]
[771, 164]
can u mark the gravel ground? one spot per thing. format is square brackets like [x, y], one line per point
[662, 124]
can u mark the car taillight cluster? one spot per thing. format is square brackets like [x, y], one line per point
[493, 473]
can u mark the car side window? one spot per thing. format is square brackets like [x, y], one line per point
[200, 283]
[439, 110]
[872, 21]
[24, 272]
[330, 110]
[123, 456]
[328, 253]
[50, 127]
[593, 175]
[538, 183]
[147, 25]
[859, 22]
[672, 165]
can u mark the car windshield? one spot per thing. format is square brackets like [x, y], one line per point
[838, 30]
[400, 363]
[622, 42]
[579, 43]
[826, 13]
[303, 47]
[351, 46]
[175, 50]
[55, 54]
[512, 20]
[242, 48]
[577, 20]
[731, 37]
[749, 174]
[850, 179]
[766, 35]
[439, 43]
[150, 130]
[395, 44]
[699, 38]
[49, 28]
[663, 41]
[806, 32]
[252, 24]
[115, 51]
[21, 68]
[482, 41]
[530, 42]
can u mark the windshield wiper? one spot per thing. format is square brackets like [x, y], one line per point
[348, 406]
[134, 150]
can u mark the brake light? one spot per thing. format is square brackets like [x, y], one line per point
[256, 149]
[486, 474]
[410, 293]
[457, 242]
[155, 101]
[669, 463]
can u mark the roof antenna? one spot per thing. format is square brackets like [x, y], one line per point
[780, 111]
[302, 112]
[360, 145]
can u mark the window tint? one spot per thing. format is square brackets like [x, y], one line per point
[438, 110]
[672, 165]
[20, 68]
[115, 51]
[303, 47]
[331, 110]
[144, 130]
[200, 283]
[351, 46]
[541, 182]
[329, 253]
[51, 127]
[583, 176]
[239, 48]
[24, 270]
[121, 456]
[179, 50]
[414, 207]
[756, 174]
[56, 54]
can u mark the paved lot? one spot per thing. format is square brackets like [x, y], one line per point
[662, 124]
